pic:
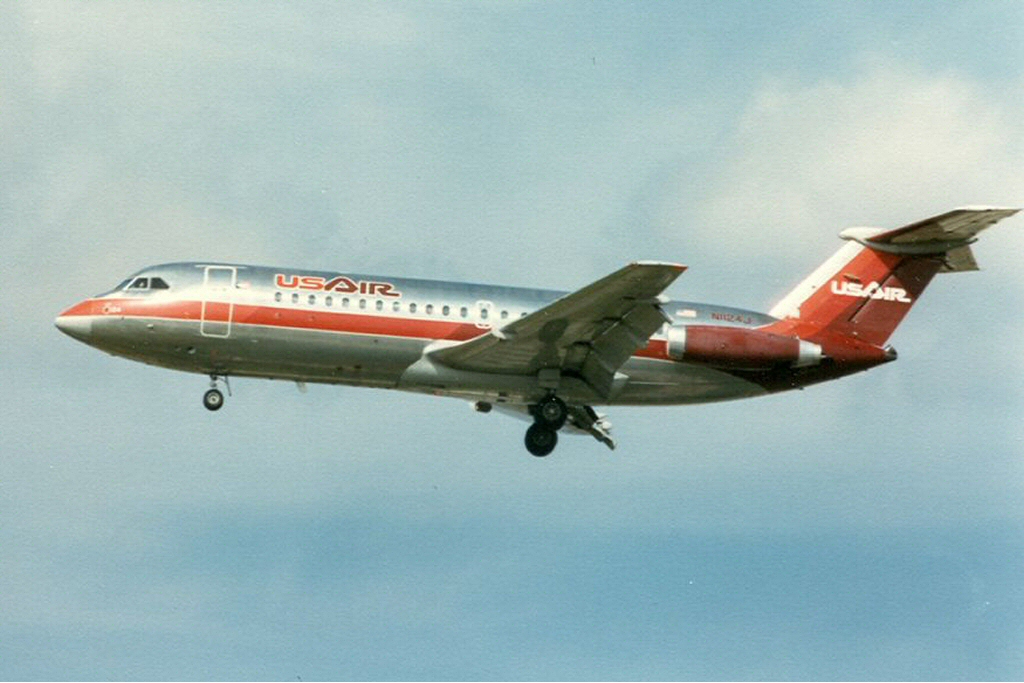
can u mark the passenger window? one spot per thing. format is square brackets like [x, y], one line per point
[312, 299]
[329, 301]
[380, 305]
[344, 302]
[295, 297]
[446, 309]
[277, 296]
[464, 311]
[483, 314]
[362, 303]
[504, 315]
[158, 283]
[412, 308]
[430, 309]
[396, 306]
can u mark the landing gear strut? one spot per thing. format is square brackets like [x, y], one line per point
[213, 399]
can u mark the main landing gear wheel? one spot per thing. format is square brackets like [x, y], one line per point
[552, 412]
[213, 399]
[541, 439]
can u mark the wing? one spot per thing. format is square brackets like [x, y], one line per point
[589, 333]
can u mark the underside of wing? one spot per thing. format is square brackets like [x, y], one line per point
[588, 334]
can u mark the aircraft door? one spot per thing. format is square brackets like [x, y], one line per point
[218, 301]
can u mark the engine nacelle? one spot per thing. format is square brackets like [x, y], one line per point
[739, 347]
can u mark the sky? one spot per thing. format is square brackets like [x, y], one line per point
[870, 528]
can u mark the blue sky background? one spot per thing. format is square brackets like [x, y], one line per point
[871, 528]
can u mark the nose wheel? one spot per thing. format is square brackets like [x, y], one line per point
[213, 399]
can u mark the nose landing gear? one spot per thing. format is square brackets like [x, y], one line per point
[213, 399]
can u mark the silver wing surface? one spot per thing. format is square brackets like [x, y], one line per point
[589, 333]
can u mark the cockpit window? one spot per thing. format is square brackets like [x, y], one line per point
[137, 285]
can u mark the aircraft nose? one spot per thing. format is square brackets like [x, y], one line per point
[77, 326]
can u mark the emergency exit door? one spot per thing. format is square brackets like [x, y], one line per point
[218, 301]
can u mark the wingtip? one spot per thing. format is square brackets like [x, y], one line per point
[661, 264]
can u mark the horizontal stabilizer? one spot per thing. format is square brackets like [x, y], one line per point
[950, 233]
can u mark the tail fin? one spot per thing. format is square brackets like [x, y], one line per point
[865, 290]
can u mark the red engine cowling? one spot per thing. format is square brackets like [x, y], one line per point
[738, 347]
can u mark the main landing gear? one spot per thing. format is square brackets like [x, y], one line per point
[213, 399]
[549, 416]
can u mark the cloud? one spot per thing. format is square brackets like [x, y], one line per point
[70, 41]
[884, 146]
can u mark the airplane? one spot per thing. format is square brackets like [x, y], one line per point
[550, 357]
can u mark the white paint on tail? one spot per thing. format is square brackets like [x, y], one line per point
[789, 306]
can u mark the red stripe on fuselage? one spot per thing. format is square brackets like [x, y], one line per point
[306, 319]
